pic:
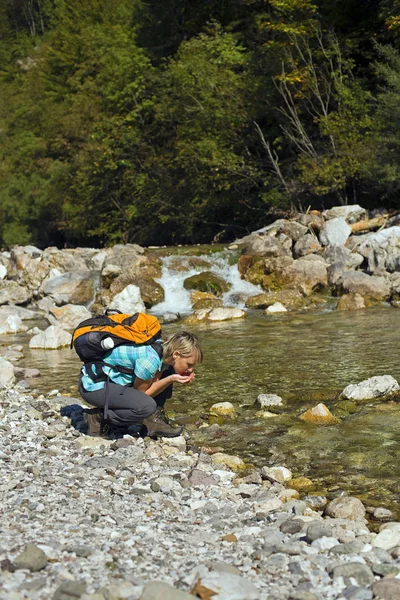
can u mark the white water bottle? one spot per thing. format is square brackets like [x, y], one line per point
[107, 343]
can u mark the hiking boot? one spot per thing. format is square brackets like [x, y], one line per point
[94, 420]
[157, 426]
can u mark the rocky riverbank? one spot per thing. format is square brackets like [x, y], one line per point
[139, 519]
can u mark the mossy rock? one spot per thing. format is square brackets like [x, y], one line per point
[201, 300]
[345, 407]
[152, 292]
[207, 282]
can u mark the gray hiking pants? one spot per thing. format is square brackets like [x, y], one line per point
[126, 406]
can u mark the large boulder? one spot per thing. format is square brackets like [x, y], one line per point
[382, 250]
[346, 507]
[335, 232]
[13, 293]
[69, 316]
[290, 298]
[351, 213]
[339, 255]
[369, 389]
[69, 259]
[25, 314]
[76, 287]
[129, 301]
[51, 338]
[127, 256]
[207, 282]
[370, 286]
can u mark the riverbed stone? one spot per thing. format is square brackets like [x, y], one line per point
[277, 307]
[225, 586]
[158, 590]
[7, 376]
[387, 588]
[307, 244]
[51, 338]
[318, 529]
[207, 282]
[351, 302]
[70, 590]
[232, 462]
[225, 409]
[353, 570]
[129, 301]
[269, 400]
[73, 287]
[346, 507]
[376, 288]
[279, 474]
[13, 293]
[32, 558]
[319, 415]
[387, 539]
[69, 315]
[291, 299]
[225, 314]
[369, 389]
[12, 324]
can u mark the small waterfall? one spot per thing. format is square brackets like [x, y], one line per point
[177, 268]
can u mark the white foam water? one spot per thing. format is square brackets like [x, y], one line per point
[177, 298]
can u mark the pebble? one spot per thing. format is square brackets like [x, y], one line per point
[135, 519]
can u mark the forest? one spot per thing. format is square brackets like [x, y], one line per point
[192, 121]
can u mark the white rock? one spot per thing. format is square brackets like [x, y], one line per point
[228, 586]
[268, 505]
[266, 400]
[280, 474]
[129, 301]
[51, 338]
[276, 308]
[387, 539]
[3, 271]
[324, 543]
[12, 324]
[225, 314]
[7, 376]
[335, 232]
[371, 388]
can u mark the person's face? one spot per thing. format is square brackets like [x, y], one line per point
[183, 364]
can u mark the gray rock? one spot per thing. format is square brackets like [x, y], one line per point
[353, 570]
[77, 287]
[13, 293]
[353, 547]
[227, 586]
[69, 590]
[376, 288]
[387, 589]
[291, 526]
[354, 592]
[69, 316]
[32, 558]
[382, 250]
[307, 244]
[199, 477]
[158, 590]
[318, 529]
[374, 387]
[346, 507]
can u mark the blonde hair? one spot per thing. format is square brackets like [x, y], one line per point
[186, 344]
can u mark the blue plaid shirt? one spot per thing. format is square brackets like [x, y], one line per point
[143, 360]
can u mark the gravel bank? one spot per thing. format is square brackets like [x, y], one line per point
[137, 519]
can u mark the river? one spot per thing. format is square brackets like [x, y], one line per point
[305, 358]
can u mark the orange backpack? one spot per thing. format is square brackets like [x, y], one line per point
[94, 337]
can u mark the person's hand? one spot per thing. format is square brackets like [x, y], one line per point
[179, 378]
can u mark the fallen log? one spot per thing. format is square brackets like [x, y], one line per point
[369, 224]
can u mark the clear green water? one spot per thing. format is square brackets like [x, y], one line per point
[305, 358]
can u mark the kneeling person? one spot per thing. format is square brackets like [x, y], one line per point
[136, 398]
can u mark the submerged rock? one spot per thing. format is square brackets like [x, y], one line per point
[223, 409]
[319, 415]
[374, 387]
[350, 302]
